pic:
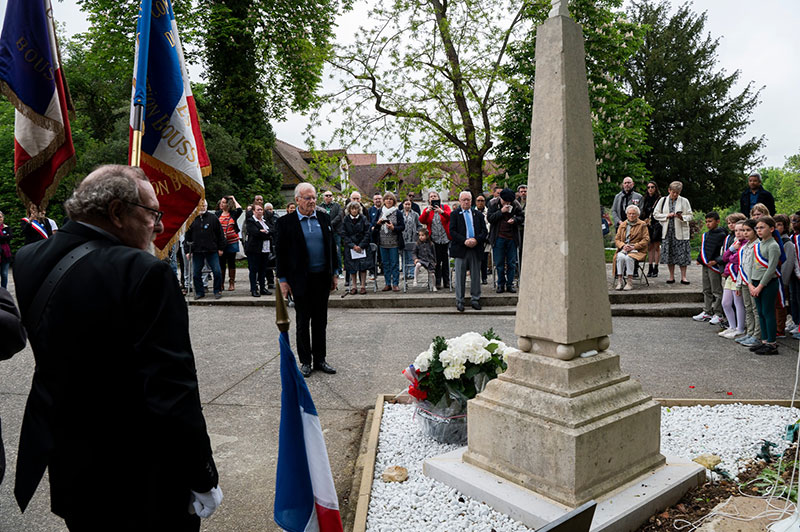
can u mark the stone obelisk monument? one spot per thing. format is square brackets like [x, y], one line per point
[563, 421]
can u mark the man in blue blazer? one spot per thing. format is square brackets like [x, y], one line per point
[468, 235]
[306, 267]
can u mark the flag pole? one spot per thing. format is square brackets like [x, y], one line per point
[140, 90]
[281, 311]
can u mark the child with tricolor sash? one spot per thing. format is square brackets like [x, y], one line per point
[732, 304]
[794, 281]
[752, 325]
[787, 272]
[711, 259]
[765, 283]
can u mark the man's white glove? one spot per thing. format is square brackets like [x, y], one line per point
[204, 504]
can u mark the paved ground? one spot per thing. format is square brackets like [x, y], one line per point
[240, 388]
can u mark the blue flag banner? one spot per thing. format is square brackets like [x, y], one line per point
[32, 79]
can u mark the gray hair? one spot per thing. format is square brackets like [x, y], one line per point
[268, 205]
[634, 208]
[93, 196]
[677, 186]
[351, 205]
[464, 192]
[300, 187]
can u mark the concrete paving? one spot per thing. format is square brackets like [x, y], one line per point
[240, 388]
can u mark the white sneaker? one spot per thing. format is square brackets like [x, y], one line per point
[628, 285]
[715, 320]
[702, 317]
[726, 331]
[733, 333]
[793, 330]
[618, 284]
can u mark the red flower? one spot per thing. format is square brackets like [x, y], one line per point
[418, 394]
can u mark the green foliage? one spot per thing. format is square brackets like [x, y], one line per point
[784, 184]
[618, 120]
[697, 119]
[425, 76]
[772, 481]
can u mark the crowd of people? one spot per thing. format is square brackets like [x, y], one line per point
[750, 271]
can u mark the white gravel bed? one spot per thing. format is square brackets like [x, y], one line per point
[733, 432]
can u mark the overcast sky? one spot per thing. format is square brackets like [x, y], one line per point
[759, 38]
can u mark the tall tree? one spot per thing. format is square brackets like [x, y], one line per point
[262, 58]
[698, 120]
[427, 75]
[618, 120]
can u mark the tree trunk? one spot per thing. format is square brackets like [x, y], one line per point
[475, 176]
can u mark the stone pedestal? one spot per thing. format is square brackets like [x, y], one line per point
[569, 430]
[564, 422]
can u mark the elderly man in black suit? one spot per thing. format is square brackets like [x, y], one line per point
[114, 410]
[306, 266]
[467, 234]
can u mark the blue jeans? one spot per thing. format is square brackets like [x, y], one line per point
[212, 258]
[4, 274]
[505, 261]
[391, 268]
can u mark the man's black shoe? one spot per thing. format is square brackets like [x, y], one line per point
[476, 305]
[255, 293]
[511, 290]
[758, 347]
[324, 367]
[199, 296]
[460, 307]
[265, 292]
[217, 295]
[305, 369]
[500, 289]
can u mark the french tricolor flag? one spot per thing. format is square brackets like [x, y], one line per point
[305, 497]
[173, 154]
[32, 79]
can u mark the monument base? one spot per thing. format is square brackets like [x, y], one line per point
[621, 510]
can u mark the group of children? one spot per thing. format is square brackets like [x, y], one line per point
[752, 275]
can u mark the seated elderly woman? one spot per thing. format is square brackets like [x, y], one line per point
[631, 241]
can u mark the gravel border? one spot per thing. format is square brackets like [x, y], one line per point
[734, 432]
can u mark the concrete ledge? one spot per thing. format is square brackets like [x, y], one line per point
[622, 510]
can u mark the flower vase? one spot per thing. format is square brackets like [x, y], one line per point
[444, 423]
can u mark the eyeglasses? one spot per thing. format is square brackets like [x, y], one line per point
[650, 186]
[308, 198]
[328, 195]
[157, 215]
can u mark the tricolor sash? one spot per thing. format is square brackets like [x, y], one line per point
[703, 257]
[38, 227]
[796, 241]
[742, 273]
[762, 260]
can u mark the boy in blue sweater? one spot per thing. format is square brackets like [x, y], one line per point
[711, 259]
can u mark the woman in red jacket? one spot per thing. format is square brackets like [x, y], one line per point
[436, 216]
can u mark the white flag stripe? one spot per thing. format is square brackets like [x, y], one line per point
[318, 464]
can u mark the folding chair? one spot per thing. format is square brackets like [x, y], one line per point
[373, 248]
[638, 269]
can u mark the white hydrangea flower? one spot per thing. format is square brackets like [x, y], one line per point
[423, 361]
[478, 356]
[454, 372]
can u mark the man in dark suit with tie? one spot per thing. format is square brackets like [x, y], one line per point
[306, 266]
[114, 410]
[468, 234]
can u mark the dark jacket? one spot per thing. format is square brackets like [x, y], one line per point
[205, 234]
[6, 234]
[255, 238]
[356, 233]
[763, 197]
[114, 405]
[334, 210]
[292, 255]
[458, 233]
[495, 216]
[713, 246]
[13, 340]
[399, 226]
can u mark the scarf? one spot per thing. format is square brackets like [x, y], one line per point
[385, 213]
